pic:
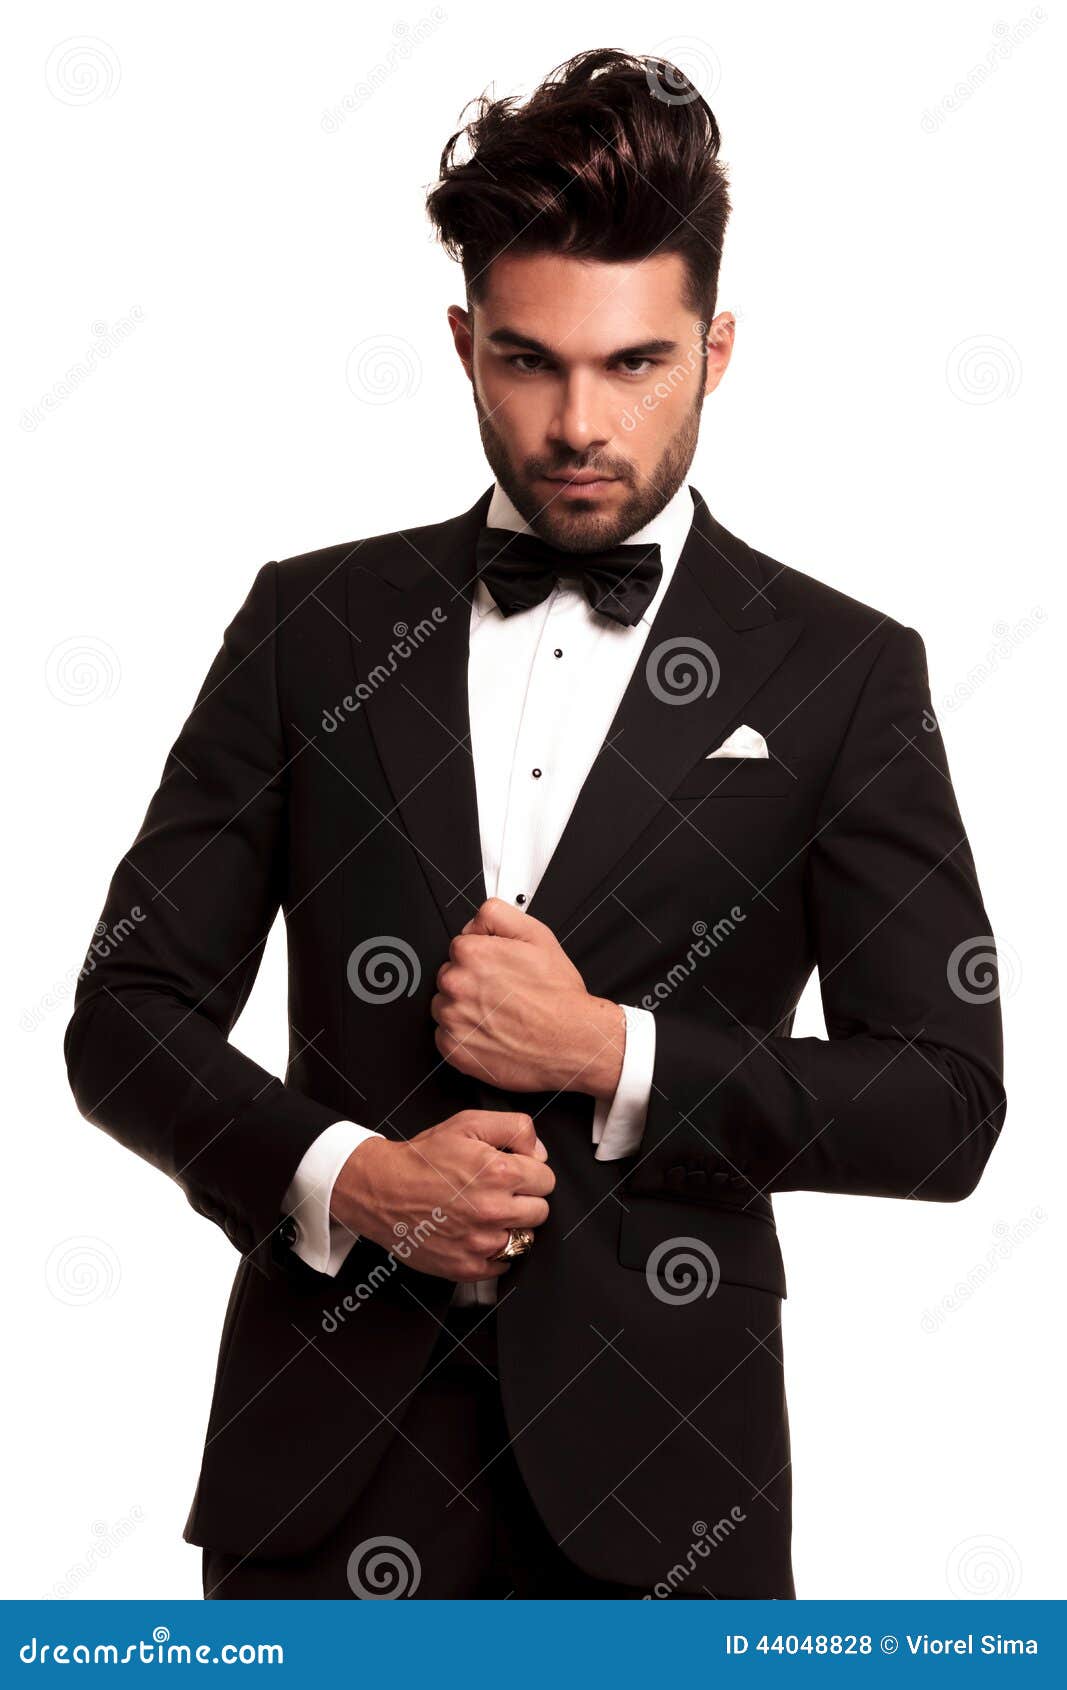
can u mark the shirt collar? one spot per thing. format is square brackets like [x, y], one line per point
[668, 529]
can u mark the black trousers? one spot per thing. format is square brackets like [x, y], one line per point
[447, 1513]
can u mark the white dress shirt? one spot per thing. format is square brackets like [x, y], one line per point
[543, 687]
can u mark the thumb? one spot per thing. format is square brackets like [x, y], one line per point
[504, 921]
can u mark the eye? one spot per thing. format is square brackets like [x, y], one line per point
[520, 358]
[649, 363]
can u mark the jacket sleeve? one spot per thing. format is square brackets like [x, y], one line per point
[178, 946]
[904, 1098]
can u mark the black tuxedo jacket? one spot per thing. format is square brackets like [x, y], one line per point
[326, 769]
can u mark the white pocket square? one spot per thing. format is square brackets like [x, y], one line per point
[743, 742]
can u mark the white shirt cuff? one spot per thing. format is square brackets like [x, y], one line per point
[322, 1242]
[618, 1126]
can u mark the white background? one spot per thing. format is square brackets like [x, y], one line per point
[244, 188]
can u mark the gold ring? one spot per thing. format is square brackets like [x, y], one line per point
[519, 1241]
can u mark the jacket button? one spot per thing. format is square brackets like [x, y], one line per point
[287, 1232]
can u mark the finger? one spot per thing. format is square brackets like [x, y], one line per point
[526, 1212]
[507, 1131]
[504, 921]
[487, 1241]
[472, 1268]
[530, 1177]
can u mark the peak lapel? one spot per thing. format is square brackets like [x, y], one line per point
[417, 599]
[713, 643]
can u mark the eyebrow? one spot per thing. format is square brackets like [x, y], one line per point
[513, 337]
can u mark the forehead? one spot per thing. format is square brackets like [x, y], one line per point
[584, 307]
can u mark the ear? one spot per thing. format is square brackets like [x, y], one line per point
[462, 327]
[721, 332]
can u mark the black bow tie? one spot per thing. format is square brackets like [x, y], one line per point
[520, 570]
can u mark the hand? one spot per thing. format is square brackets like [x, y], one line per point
[452, 1193]
[512, 1009]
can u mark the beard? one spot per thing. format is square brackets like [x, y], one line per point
[582, 525]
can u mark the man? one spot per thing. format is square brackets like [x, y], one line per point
[563, 799]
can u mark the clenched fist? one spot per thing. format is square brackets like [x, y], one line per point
[511, 1009]
[453, 1193]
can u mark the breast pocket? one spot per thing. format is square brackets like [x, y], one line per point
[737, 777]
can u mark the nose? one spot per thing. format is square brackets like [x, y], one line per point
[580, 423]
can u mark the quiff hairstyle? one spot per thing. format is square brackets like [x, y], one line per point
[613, 157]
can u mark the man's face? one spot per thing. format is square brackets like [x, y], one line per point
[579, 367]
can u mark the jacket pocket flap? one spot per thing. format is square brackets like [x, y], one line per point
[731, 1246]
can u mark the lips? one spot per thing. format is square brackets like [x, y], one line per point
[582, 480]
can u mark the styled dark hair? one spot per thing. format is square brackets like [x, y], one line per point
[613, 157]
